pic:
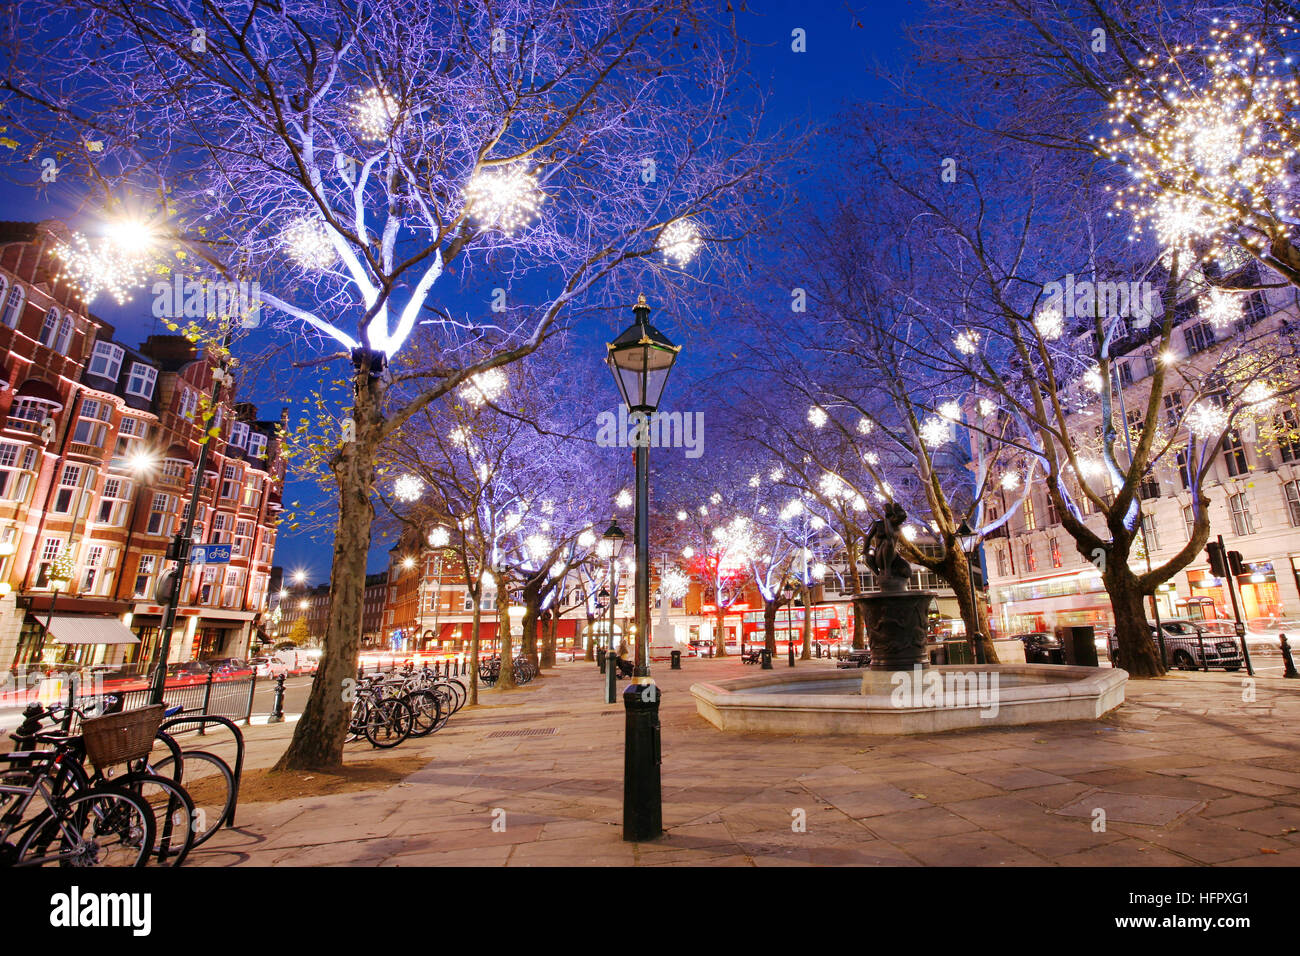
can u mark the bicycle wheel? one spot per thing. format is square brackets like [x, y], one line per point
[100, 827]
[428, 713]
[389, 722]
[211, 785]
[173, 814]
[459, 690]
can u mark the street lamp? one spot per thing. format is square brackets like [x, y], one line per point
[640, 360]
[787, 592]
[970, 542]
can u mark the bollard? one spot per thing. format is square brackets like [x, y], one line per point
[611, 679]
[277, 703]
[676, 665]
[1288, 664]
[600, 659]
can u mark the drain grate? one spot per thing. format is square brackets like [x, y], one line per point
[528, 732]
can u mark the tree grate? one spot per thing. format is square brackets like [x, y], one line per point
[527, 732]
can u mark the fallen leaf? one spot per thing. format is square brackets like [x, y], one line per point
[1265, 849]
[919, 796]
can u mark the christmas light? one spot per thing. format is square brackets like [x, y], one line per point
[439, 537]
[987, 407]
[681, 516]
[408, 488]
[503, 197]
[307, 242]
[934, 432]
[624, 499]
[118, 262]
[1259, 396]
[817, 415]
[373, 114]
[968, 342]
[1206, 420]
[1011, 481]
[1221, 309]
[950, 411]
[680, 241]
[586, 539]
[865, 425]
[486, 386]
[1050, 322]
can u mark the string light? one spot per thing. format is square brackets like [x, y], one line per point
[1050, 322]
[950, 411]
[987, 407]
[118, 262]
[1206, 420]
[1259, 396]
[503, 197]
[934, 432]
[1221, 309]
[439, 537]
[408, 488]
[486, 386]
[374, 113]
[680, 241]
[968, 342]
[817, 416]
[307, 242]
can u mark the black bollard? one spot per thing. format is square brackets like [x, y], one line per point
[600, 659]
[1287, 663]
[676, 665]
[277, 704]
[642, 799]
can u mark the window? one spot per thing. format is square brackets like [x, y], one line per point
[488, 602]
[1189, 521]
[16, 465]
[1053, 516]
[113, 502]
[1030, 521]
[52, 549]
[1198, 337]
[1125, 374]
[239, 434]
[161, 515]
[257, 445]
[14, 307]
[1241, 520]
[1149, 530]
[142, 380]
[1002, 563]
[1031, 564]
[89, 430]
[1234, 453]
[66, 496]
[232, 595]
[230, 482]
[1184, 469]
[50, 328]
[1288, 436]
[1056, 553]
[29, 410]
[65, 336]
[106, 360]
[90, 574]
[189, 402]
[1173, 409]
[253, 492]
[1293, 501]
[1149, 488]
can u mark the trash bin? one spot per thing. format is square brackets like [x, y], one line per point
[677, 661]
[766, 656]
[1079, 644]
[957, 652]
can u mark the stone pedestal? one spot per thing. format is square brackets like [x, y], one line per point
[896, 623]
[663, 640]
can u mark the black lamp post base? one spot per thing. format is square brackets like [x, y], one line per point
[642, 800]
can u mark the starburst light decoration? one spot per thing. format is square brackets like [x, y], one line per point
[486, 386]
[117, 262]
[680, 241]
[968, 342]
[504, 198]
[373, 114]
[1050, 322]
[1206, 420]
[306, 241]
[817, 416]
[1221, 309]
[408, 488]
[934, 432]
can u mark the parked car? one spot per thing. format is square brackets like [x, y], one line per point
[1271, 627]
[1187, 647]
[226, 667]
[1041, 648]
[298, 661]
[269, 667]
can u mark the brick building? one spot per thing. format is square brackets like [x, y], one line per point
[99, 442]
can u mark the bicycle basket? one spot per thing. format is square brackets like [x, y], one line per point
[120, 738]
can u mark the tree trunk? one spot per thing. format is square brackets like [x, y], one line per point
[1137, 651]
[318, 736]
[529, 644]
[550, 627]
[506, 679]
[720, 637]
[474, 651]
[805, 594]
[590, 636]
[769, 624]
[956, 571]
[859, 631]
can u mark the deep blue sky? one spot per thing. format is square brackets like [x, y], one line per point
[805, 88]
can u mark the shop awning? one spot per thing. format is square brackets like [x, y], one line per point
[89, 629]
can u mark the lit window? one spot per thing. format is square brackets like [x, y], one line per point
[142, 380]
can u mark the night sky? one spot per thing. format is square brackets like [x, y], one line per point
[806, 89]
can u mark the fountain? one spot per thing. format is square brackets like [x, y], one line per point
[901, 692]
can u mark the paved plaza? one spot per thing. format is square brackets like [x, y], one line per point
[1186, 772]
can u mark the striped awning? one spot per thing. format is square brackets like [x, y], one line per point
[89, 629]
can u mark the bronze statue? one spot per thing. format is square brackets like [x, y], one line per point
[891, 570]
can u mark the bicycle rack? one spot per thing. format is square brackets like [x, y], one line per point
[201, 720]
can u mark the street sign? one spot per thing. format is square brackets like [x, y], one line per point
[210, 554]
[1240, 629]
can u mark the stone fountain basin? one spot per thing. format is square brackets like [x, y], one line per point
[825, 702]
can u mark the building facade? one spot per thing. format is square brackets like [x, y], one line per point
[99, 444]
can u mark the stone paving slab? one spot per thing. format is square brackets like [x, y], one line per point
[1188, 774]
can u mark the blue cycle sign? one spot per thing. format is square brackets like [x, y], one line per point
[210, 554]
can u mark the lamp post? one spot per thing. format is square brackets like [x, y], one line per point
[613, 544]
[640, 360]
[970, 542]
[787, 592]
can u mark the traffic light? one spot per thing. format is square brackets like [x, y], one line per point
[1218, 564]
[1235, 564]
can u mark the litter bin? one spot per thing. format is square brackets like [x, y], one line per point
[766, 656]
[1079, 644]
[676, 665]
[957, 652]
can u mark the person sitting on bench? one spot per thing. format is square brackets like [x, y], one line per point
[625, 668]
